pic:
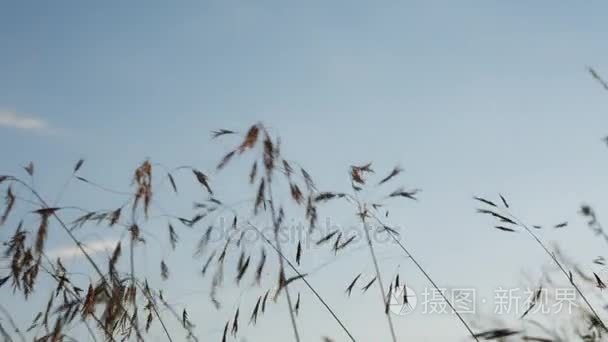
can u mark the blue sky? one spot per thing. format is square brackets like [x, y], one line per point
[470, 97]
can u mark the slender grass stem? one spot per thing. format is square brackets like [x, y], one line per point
[310, 287]
[559, 265]
[430, 280]
[362, 214]
[275, 223]
[380, 282]
[12, 323]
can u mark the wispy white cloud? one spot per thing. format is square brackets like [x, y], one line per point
[92, 248]
[12, 119]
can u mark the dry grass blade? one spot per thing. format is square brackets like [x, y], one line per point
[29, 168]
[294, 278]
[44, 213]
[483, 200]
[264, 301]
[283, 282]
[597, 77]
[253, 173]
[260, 268]
[326, 196]
[308, 180]
[134, 230]
[221, 132]
[172, 181]
[115, 255]
[191, 222]
[364, 168]
[387, 303]
[357, 173]
[346, 243]
[296, 193]
[505, 229]
[203, 179]
[164, 270]
[405, 295]
[204, 241]
[241, 261]
[238, 242]
[4, 280]
[327, 238]
[499, 216]
[225, 160]
[337, 243]
[149, 321]
[115, 217]
[356, 176]
[533, 302]
[269, 154]
[496, 334]
[297, 307]
[49, 305]
[299, 252]
[224, 250]
[235, 323]
[173, 237]
[287, 169]
[78, 165]
[225, 335]
[143, 180]
[260, 196]
[311, 214]
[242, 269]
[184, 317]
[256, 309]
[350, 287]
[10, 203]
[396, 170]
[403, 193]
[599, 282]
[207, 263]
[504, 201]
[561, 225]
[366, 287]
[250, 139]
[390, 230]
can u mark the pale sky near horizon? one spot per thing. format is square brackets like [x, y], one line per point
[469, 97]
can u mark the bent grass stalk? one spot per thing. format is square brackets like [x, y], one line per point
[380, 282]
[362, 214]
[276, 224]
[357, 176]
[430, 280]
[561, 268]
[506, 217]
[295, 270]
[310, 287]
